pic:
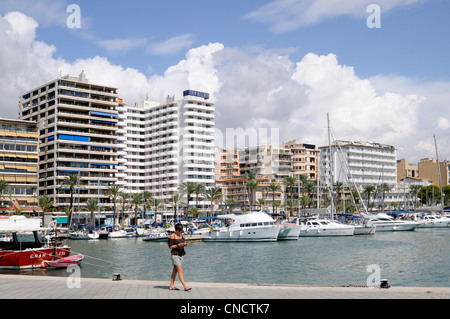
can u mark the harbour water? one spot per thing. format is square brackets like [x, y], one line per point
[418, 259]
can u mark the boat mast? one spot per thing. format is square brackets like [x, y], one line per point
[439, 173]
[331, 167]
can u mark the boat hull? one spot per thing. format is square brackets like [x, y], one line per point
[260, 234]
[364, 230]
[63, 262]
[30, 258]
[385, 227]
[289, 232]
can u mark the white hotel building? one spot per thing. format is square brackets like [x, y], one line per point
[162, 146]
[359, 163]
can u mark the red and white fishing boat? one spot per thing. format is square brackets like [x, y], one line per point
[21, 245]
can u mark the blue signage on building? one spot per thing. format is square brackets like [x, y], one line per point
[197, 94]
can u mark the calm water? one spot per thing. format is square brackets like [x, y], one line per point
[420, 258]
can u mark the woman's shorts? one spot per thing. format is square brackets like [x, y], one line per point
[177, 260]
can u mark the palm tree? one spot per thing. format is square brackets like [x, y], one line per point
[125, 198]
[368, 190]
[309, 187]
[4, 187]
[261, 202]
[274, 187]
[136, 199]
[176, 198]
[290, 181]
[198, 189]
[291, 203]
[92, 206]
[229, 203]
[414, 190]
[252, 185]
[156, 203]
[146, 196]
[384, 188]
[212, 194]
[113, 192]
[71, 182]
[187, 188]
[46, 203]
[276, 205]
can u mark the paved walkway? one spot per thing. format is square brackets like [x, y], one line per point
[44, 287]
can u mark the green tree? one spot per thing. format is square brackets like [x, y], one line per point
[198, 189]
[71, 182]
[113, 193]
[414, 190]
[187, 188]
[46, 203]
[252, 184]
[136, 199]
[290, 182]
[125, 198]
[274, 187]
[4, 188]
[92, 206]
[212, 194]
[367, 191]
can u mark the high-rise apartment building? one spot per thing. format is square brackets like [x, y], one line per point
[18, 166]
[271, 161]
[358, 163]
[305, 159]
[77, 123]
[165, 145]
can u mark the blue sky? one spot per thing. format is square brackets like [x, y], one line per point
[410, 42]
[280, 64]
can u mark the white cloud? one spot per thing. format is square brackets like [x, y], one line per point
[172, 45]
[121, 45]
[443, 124]
[288, 15]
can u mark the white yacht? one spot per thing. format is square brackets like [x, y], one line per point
[384, 222]
[434, 221]
[325, 227]
[84, 235]
[246, 227]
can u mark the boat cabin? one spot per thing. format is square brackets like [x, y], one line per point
[20, 241]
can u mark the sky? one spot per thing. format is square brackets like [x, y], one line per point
[379, 68]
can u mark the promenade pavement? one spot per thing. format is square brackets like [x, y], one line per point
[45, 287]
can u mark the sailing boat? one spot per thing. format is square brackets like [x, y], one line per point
[361, 225]
[436, 220]
[326, 227]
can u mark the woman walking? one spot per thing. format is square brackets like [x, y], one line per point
[177, 244]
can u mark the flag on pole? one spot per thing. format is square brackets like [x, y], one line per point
[17, 206]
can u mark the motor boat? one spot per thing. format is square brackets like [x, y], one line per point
[21, 245]
[433, 221]
[84, 235]
[289, 230]
[362, 226]
[384, 222]
[251, 227]
[116, 232]
[325, 227]
[156, 234]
